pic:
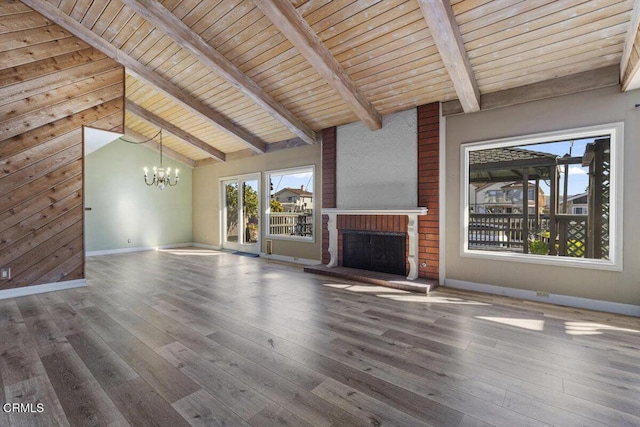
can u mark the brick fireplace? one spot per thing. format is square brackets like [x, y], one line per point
[389, 220]
[424, 228]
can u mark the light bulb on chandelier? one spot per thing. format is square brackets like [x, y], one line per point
[161, 179]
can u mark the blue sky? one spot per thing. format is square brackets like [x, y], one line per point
[292, 181]
[578, 178]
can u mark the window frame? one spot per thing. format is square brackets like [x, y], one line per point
[616, 133]
[267, 210]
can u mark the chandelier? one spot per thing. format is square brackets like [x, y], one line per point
[161, 178]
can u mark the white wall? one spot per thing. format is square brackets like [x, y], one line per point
[377, 169]
[580, 110]
[123, 207]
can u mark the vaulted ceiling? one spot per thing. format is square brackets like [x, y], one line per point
[240, 76]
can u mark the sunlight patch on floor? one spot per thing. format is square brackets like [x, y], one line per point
[530, 324]
[590, 328]
[183, 252]
[367, 289]
[431, 299]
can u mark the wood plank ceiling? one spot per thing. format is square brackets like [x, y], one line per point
[194, 63]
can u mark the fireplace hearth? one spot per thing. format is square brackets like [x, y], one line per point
[379, 251]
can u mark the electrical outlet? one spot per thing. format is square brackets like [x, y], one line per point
[5, 273]
[269, 247]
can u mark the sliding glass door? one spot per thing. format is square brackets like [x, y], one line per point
[240, 213]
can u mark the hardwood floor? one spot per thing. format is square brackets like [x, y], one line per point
[203, 338]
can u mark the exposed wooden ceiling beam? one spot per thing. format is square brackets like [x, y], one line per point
[148, 116]
[165, 21]
[156, 147]
[285, 17]
[630, 62]
[146, 75]
[575, 83]
[446, 35]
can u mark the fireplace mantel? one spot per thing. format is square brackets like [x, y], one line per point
[380, 211]
[412, 231]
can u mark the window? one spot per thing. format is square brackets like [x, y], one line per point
[579, 210]
[290, 207]
[543, 177]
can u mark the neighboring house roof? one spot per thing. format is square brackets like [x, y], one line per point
[577, 198]
[296, 191]
[506, 154]
[508, 164]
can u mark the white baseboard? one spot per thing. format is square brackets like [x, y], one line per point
[203, 246]
[303, 261]
[566, 300]
[39, 289]
[138, 249]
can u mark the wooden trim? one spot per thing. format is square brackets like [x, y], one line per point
[329, 184]
[141, 72]
[632, 72]
[286, 144]
[285, 17]
[243, 154]
[39, 289]
[588, 80]
[149, 117]
[629, 41]
[446, 35]
[156, 147]
[204, 162]
[165, 21]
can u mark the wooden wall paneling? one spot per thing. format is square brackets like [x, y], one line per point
[29, 54]
[51, 85]
[21, 265]
[11, 7]
[21, 21]
[39, 69]
[37, 204]
[43, 116]
[31, 36]
[23, 159]
[40, 219]
[36, 188]
[53, 96]
[59, 127]
[40, 168]
[428, 189]
[50, 77]
[67, 264]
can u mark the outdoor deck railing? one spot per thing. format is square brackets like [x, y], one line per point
[290, 224]
[506, 232]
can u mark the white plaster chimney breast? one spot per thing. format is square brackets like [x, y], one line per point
[378, 169]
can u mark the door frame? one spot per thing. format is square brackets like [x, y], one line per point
[239, 246]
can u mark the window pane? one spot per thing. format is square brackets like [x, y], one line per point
[231, 208]
[548, 198]
[291, 203]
